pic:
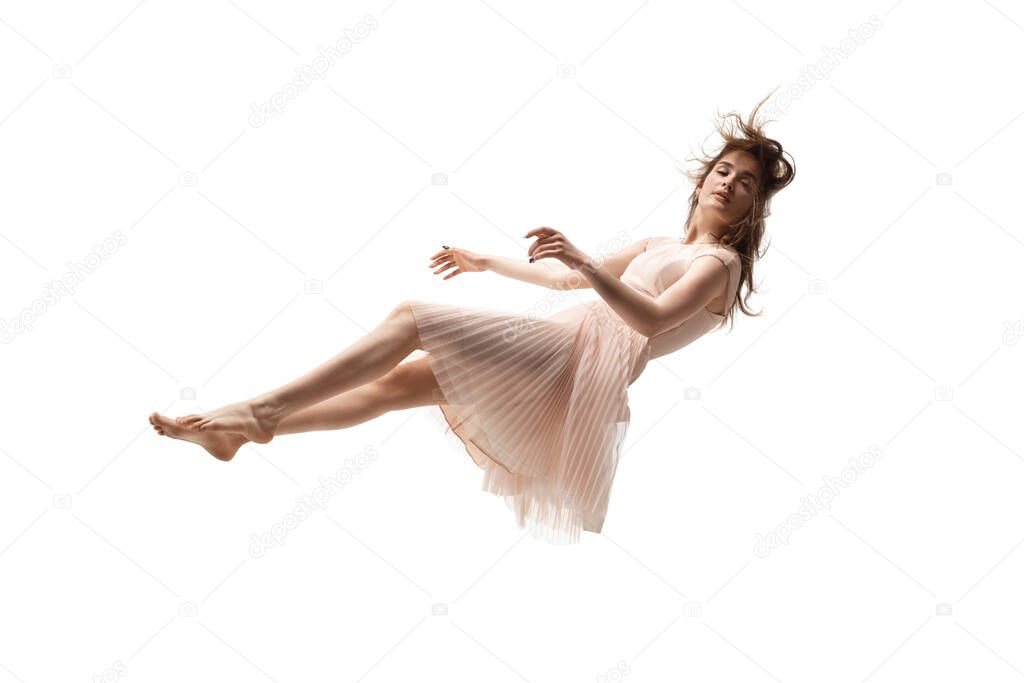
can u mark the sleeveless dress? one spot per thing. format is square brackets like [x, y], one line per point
[540, 403]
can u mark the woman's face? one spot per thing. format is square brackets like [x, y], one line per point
[734, 177]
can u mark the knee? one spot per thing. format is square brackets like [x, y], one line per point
[402, 311]
[402, 317]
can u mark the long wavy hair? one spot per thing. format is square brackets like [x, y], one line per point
[746, 234]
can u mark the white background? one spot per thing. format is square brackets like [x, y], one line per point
[892, 320]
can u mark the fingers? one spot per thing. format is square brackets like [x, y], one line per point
[453, 274]
[440, 257]
[540, 243]
[441, 253]
[446, 260]
[544, 253]
[537, 231]
[444, 268]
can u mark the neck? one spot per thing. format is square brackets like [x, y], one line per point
[701, 229]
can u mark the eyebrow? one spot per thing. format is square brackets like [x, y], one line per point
[746, 173]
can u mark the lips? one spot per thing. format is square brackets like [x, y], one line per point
[721, 196]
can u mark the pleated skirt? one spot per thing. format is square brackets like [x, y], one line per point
[540, 404]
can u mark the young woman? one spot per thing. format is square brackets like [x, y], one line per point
[540, 404]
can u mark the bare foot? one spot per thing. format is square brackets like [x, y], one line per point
[253, 419]
[221, 445]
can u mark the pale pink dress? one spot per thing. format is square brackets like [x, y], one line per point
[540, 403]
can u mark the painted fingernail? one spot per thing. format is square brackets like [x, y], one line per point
[531, 259]
[444, 246]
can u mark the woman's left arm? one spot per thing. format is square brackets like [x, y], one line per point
[637, 309]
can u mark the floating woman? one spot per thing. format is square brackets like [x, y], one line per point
[540, 403]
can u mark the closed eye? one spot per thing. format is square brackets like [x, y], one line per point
[746, 181]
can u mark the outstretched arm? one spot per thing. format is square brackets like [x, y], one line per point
[545, 273]
[552, 275]
[452, 261]
[557, 275]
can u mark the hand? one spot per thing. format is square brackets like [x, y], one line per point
[462, 260]
[552, 243]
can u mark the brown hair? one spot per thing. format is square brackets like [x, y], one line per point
[777, 172]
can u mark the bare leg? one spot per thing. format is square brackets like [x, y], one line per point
[338, 412]
[367, 359]
[408, 385]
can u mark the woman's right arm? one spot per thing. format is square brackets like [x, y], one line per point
[557, 275]
[550, 274]
[545, 273]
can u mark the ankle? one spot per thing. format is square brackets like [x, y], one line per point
[268, 408]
